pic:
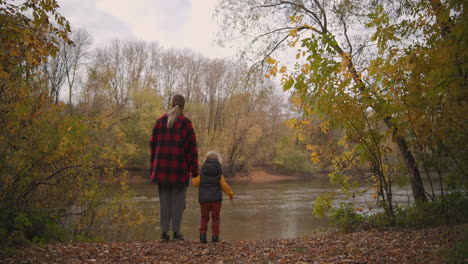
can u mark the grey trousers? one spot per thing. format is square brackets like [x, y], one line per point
[171, 206]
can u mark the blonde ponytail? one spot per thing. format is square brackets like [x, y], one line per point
[173, 115]
[177, 102]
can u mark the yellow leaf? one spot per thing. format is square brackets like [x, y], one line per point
[273, 71]
[14, 52]
[296, 100]
[269, 60]
[293, 43]
[343, 141]
[290, 122]
[314, 157]
[308, 26]
[306, 122]
[311, 147]
[325, 126]
[4, 75]
[301, 137]
[293, 32]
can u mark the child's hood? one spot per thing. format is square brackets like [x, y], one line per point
[211, 167]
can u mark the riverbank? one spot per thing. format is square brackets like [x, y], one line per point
[259, 175]
[262, 176]
[372, 246]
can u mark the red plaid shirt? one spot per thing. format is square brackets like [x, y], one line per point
[174, 154]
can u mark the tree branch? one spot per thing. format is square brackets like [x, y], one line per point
[345, 28]
[324, 28]
[302, 7]
[35, 184]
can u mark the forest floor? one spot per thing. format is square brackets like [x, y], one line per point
[371, 246]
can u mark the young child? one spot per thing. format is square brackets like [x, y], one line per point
[211, 183]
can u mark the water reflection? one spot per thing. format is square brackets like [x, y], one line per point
[259, 211]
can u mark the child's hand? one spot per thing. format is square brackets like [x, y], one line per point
[231, 197]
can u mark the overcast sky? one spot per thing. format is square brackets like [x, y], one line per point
[171, 23]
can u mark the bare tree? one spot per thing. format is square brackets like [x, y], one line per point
[152, 67]
[55, 71]
[170, 73]
[215, 71]
[74, 56]
[191, 73]
[127, 67]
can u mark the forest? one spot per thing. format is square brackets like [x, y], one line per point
[364, 93]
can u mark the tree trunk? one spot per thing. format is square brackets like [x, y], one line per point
[419, 194]
[415, 177]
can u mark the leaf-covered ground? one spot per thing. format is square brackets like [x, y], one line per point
[372, 246]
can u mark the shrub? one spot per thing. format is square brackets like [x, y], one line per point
[448, 210]
[459, 252]
[294, 160]
[345, 218]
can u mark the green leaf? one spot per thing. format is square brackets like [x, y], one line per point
[288, 84]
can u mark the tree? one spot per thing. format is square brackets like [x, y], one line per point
[328, 48]
[170, 78]
[191, 72]
[375, 70]
[54, 172]
[26, 42]
[216, 91]
[73, 56]
[429, 100]
[55, 73]
[64, 66]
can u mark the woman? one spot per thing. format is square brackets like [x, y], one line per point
[174, 158]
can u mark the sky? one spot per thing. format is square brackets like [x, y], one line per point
[172, 23]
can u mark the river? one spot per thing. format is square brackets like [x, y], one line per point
[259, 211]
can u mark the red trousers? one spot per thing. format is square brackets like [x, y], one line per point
[215, 209]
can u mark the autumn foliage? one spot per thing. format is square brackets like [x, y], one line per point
[387, 78]
[378, 98]
[55, 172]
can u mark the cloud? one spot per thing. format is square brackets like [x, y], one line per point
[102, 26]
[152, 20]
[176, 23]
[200, 30]
[173, 14]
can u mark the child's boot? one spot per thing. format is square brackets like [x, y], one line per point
[203, 239]
[215, 239]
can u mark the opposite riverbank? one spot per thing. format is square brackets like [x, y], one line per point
[258, 175]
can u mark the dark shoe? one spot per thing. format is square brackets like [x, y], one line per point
[177, 237]
[164, 237]
[203, 239]
[215, 239]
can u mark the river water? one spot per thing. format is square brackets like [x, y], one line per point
[259, 210]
